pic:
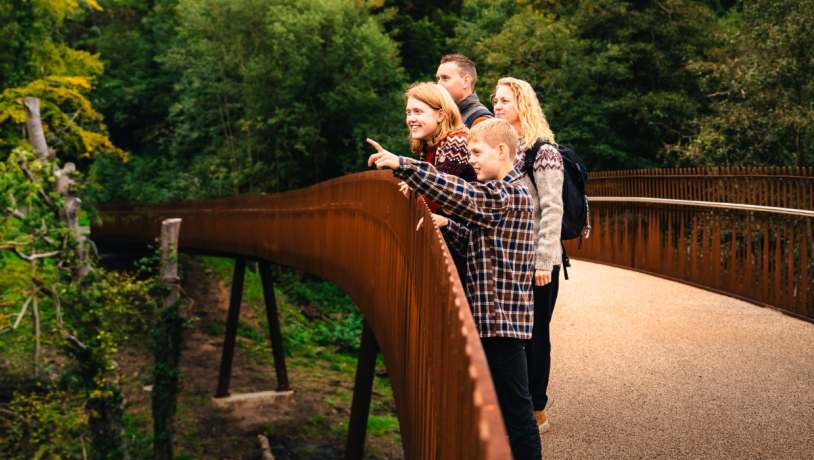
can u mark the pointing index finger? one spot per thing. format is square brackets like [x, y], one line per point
[375, 144]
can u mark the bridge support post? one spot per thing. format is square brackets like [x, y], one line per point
[231, 328]
[362, 390]
[274, 325]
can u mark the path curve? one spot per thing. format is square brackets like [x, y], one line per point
[643, 367]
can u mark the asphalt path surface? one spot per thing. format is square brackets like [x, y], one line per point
[645, 368]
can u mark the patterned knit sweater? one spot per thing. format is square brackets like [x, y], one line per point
[548, 208]
[450, 156]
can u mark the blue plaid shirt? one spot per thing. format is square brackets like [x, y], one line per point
[497, 240]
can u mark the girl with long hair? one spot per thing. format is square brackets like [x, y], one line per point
[438, 136]
[516, 102]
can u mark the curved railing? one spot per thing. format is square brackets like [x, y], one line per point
[359, 232]
[759, 254]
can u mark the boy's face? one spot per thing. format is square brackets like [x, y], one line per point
[487, 161]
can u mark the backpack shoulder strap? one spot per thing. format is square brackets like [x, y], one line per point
[478, 113]
[528, 161]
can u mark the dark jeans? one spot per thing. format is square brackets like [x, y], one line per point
[538, 349]
[507, 363]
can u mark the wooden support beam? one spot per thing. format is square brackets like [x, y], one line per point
[362, 391]
[231, 328]
[264, 267]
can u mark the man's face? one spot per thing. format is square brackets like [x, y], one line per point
[486, 160]
[449, 77]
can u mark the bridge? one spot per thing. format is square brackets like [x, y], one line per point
[642, 366]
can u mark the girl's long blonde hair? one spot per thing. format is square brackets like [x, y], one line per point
[439, 99]
[533, 123]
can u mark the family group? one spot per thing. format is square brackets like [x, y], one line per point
[497, 187]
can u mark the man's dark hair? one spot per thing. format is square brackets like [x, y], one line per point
[465, 65]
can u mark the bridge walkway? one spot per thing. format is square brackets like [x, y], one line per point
[643, 367]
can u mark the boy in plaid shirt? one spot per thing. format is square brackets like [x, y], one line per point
[498, 242]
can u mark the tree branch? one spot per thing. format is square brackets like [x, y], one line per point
[34, 257]
[721, 93]
[70, 121]
[74, 341]
[16, 213]
[24, 167]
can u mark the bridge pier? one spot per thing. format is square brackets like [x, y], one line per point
[362, 391]
[264, 268]
[235, 299]
[231, 328]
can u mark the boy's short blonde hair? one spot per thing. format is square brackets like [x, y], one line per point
[495, 131]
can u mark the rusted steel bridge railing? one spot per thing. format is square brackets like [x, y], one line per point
[359, 232]
[741, 232]
[782, 187]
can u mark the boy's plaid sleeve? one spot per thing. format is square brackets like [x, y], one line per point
[457, 236]
[480, 204]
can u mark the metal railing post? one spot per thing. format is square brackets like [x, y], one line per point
[362, 390]
[264, 267]
[231, 328]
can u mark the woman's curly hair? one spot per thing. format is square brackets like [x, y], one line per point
[533, 123]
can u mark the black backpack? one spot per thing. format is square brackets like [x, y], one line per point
[574, 199]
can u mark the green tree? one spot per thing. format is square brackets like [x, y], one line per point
[135, 92]
[762, 82]
[38, 63]
[611, 76]
[422, 28]
[282, 94]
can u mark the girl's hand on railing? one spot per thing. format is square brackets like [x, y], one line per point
[440, 221]
[383, 158]
[405, 189]
[542, 277]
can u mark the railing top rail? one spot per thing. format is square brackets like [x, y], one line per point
[708, 173]
[711, 204]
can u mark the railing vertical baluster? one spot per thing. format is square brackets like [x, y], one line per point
[789, 303]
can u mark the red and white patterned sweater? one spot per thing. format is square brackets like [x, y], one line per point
[450, 156]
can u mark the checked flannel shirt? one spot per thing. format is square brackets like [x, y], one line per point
[497, 240]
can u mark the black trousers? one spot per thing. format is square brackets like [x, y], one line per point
[538, 349]
[507, 363]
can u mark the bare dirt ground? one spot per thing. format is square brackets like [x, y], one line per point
[309, 425]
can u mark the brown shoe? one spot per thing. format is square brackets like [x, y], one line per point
[542, 421]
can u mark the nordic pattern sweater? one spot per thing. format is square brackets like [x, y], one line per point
[450, 156]
[548, 208]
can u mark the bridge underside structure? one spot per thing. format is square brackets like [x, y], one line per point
[358, 232]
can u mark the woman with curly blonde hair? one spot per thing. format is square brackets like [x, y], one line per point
[516, 102]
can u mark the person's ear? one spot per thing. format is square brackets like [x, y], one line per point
[441, 116]
[467, 81]
[503, 151]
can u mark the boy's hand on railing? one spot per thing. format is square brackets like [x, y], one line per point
[405, 189]
[440, 221]
[382, 158]
[542, 277]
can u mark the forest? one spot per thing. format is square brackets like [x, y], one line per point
[159, 100]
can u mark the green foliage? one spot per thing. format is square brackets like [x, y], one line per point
[41, 65]
[272, 96]
[44, 422]
[611, 76]
[422, 29]
[762, 82]
[76, 309]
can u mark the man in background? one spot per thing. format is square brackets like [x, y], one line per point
[457, 75]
